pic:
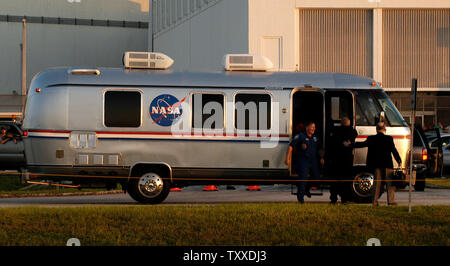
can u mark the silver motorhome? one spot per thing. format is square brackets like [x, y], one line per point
[107, 126]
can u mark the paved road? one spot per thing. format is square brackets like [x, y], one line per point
[195, 194]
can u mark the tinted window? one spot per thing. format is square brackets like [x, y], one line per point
[417, 140]
[207, 111]
[445, 142]
[367, 109]
[122, 109]
[252, 111]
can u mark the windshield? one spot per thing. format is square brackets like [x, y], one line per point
[369, 105]
[392, 114]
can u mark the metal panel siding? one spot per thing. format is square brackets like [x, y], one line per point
[336, 40]
[416, 44]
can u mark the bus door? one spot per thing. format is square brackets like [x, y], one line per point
[307, 106]
[338, 104]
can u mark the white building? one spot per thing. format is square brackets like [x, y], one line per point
[391, 41]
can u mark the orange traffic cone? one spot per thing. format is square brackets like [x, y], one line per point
[176, 189]
[210, 188]
[255, 187]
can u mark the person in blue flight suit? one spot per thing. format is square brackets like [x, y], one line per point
[310, 152]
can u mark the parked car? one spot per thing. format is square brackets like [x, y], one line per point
[12, 155]
[446, 151]
[437, 141]
[427, 160]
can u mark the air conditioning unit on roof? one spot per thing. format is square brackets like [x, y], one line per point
[246, 62]
[147, 60]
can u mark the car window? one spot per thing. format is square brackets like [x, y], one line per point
[433, 143]
[445, 142]
[417, 139]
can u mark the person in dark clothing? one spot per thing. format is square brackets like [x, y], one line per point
[341, 161]
[379, 160]
[309, 151]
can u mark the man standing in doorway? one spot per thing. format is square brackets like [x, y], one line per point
[341, 159]
[309, 151]
[379, 160]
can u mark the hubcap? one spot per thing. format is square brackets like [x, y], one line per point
[363, 184]
[150, 185]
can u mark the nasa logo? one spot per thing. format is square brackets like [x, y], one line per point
[165, 110]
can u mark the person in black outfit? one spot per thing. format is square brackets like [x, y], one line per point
[341, 161]
[379, 159]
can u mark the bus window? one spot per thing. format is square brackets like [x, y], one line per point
[252, 111]
[339, 105]
[367, 109]
[122, 109]
[361, 119]
[207, 111]
[335, 108]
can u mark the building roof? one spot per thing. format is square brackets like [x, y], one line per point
[167, 78]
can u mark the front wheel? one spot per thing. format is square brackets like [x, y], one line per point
[150, 188]
[363, 188]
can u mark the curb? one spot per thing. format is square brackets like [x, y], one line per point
[435, 187]
[3, 196]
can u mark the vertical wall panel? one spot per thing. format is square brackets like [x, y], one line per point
[416, 44]
[336, 40]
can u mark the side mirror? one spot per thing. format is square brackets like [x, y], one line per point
[382, 116]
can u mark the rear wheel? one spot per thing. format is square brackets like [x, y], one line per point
[150, 188]
[420, 184]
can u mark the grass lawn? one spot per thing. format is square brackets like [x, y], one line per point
[226, 224]
[11, 185]
[438, 182]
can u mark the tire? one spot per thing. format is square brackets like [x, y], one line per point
[420, 185]
[363, 188]
[150, 188]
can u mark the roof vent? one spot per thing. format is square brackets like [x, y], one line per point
[246, 62]
[84, 71]
[147, 60]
